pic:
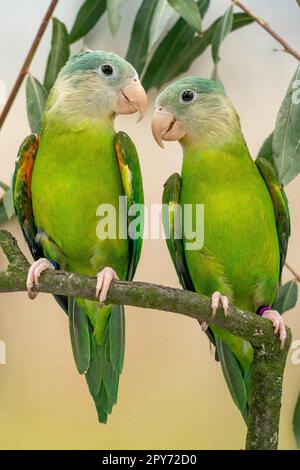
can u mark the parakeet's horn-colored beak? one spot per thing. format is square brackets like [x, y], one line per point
[132, 98]
[166, 127]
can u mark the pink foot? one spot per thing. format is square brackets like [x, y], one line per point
[34, 273]
[104, 279]
[218, 300]
[204, 326]
[278, 323]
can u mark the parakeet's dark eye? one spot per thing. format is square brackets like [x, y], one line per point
[187, 96]
[107, 70]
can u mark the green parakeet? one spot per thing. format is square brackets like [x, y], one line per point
[61, 179]
[246, 218]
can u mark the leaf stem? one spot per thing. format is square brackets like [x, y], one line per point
[264, 24]
[296, 276]
[24, 69]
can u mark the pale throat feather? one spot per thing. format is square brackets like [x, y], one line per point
[76, 102]
[213, 124]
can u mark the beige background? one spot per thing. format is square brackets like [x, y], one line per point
[172, 393]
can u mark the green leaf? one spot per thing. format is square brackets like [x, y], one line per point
[3, 215]
[286, 140]
[266, 150]
[221, 30]
[199, 44]
[8, 203]
[59, 53]
[87, 17]
[189, 11]
[162, 63]
[36, 95]
[180, 42]
[298, 1]
[161, 18]
[139, 41]
[215, 76]
[4, 186]
[286, 298]
[296, 422]
[114, 15]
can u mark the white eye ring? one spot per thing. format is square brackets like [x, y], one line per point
[189, 98]
[107, 70]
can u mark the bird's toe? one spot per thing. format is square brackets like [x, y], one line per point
[218, 300]
[278, 324]
[34, 272]
[104, 279]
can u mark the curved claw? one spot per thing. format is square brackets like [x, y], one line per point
[34, 273]
[218, 300]
[104, 279]
[278, 324]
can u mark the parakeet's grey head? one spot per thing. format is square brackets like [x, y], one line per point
[96, 85]
[193, 109]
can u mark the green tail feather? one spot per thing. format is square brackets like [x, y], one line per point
[94, 371]
[236, 378]
[101, 363]
[117, 337]
[80, 336]
[103, 381]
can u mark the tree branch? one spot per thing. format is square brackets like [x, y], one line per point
[269, 360]
[286, 47]
[24, 69]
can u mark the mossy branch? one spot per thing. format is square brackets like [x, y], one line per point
[269, 360]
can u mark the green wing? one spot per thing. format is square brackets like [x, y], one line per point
[22, 192]
[22, 200]
[280, 204]
[232, 370]
[172, 228]
[133, 188]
